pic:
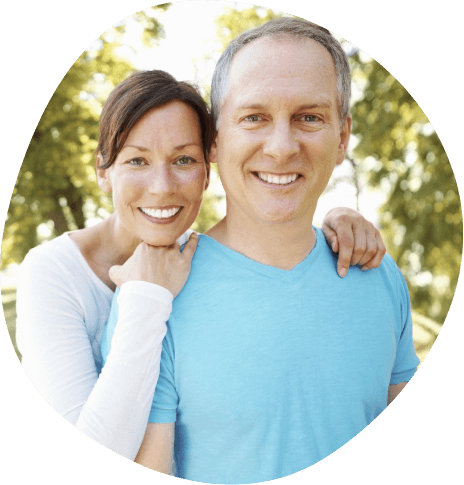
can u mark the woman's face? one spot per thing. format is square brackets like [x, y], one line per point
[159, 175]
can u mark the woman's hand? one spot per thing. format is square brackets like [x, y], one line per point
[163, 266]
[354, 238]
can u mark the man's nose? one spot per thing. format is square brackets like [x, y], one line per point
[281, 143]
[161, 180]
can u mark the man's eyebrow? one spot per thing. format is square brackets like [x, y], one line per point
[319, 104]
[252, 106]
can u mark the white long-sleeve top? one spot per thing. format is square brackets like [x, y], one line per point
[62, 308]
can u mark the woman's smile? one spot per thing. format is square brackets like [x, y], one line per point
[165, 214]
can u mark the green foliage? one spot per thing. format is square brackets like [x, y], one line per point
[209, 214]
[57, 179]
[421, 219]
[233, 22]
[56, 188]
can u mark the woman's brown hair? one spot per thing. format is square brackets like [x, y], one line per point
[135, 96]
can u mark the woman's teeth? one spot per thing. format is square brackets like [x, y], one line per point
[160, 213]
[277, 179]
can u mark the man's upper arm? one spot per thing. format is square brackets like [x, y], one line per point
[394, 390]
[157, 450]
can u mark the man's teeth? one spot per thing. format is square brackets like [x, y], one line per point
[277, 179]
[160, 213]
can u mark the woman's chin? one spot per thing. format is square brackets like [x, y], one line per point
[162, 240]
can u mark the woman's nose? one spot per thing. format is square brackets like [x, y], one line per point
[161, 180]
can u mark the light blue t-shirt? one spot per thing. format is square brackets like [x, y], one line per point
[267, 371]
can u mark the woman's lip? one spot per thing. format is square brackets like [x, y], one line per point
[159, 220]
[160, 207]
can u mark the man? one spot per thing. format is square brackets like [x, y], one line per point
[271, 361]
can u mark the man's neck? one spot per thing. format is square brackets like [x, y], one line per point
[282, 245]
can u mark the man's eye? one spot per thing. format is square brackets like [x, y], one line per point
[185, 160]
[137, 162]
[310, 118]
[253, 118]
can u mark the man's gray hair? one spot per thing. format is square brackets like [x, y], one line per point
[287, 27]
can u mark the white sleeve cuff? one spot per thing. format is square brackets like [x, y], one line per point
[148, 290]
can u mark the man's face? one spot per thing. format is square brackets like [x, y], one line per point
[279, 135]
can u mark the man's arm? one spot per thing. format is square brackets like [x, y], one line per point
[394, 390]
[157, 450]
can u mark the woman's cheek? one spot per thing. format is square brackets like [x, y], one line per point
[194, 180]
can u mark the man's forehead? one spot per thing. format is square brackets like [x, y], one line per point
[252, 55]
[266, 67]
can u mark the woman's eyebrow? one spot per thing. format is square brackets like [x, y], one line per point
[188, 144]
[142, 149]
[178, 147]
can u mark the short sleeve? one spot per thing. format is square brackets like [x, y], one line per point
[406, 361]
[166, 399]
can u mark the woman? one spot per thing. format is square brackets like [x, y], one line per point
[155, 133]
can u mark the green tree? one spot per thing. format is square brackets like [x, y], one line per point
[233, 22]
[421, 218]
[56, 186]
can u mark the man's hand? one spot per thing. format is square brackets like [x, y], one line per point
[355, 239]
[163, 266]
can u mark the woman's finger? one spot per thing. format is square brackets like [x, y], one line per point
[346, 245]
[370, 249]
[331, 237]
[360, 243]
[191, 246]
[377, 259]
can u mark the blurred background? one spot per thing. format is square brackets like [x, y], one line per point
[396, 172]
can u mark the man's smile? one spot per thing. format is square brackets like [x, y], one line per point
[271, 178]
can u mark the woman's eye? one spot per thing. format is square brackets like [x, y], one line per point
[184, 160]
[137, 162]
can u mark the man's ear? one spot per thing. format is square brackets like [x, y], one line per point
[344, 140]
[213, 152]
[208, 175]
[103, 175]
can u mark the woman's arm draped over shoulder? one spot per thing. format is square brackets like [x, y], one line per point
[59, 355]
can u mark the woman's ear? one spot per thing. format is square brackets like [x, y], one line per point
[103, 175]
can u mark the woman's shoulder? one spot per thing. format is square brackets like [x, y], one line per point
[57, 248]
[60, 254]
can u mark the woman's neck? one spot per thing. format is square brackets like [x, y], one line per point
[104, 245]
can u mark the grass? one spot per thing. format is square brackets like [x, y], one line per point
[9, 308]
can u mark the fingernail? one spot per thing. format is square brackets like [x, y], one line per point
[342, 272]
[364, 268]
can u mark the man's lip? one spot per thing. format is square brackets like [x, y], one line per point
[277, 179]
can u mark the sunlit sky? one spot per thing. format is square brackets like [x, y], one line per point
[189, 52]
